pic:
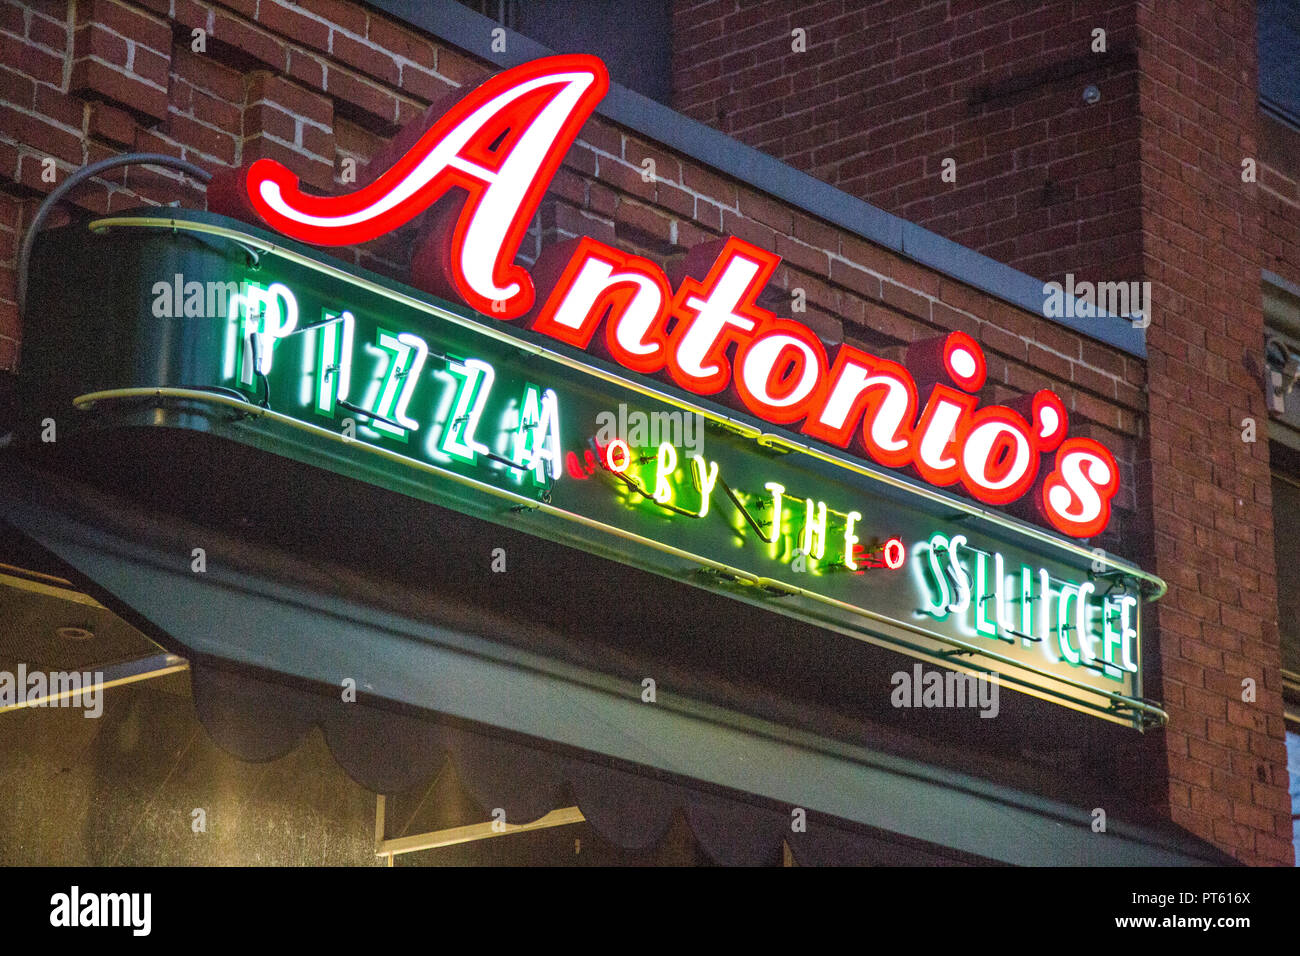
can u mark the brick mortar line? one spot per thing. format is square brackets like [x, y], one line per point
[291, 113]
[1288, 200]
[1278, 172]
[47, 119]
[271, 137]
[118, 68]
[129, 41]
[28, 41]
[193, 118]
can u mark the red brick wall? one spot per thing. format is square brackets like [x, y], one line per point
[1210, 491]
[887, 90]
[320, 82]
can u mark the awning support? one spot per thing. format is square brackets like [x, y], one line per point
[111, 675]
[388, 849]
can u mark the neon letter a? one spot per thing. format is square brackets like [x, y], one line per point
[502, 144]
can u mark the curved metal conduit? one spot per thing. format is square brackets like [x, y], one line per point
[76, 179]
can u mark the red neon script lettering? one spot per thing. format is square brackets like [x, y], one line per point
[503, 143]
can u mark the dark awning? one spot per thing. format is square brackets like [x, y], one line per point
[268, 632]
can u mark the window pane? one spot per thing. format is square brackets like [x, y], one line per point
[1293, 768]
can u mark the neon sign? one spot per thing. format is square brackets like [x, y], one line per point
[1068, 620]
[502, 144]
[769, 516]
[350, 372]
